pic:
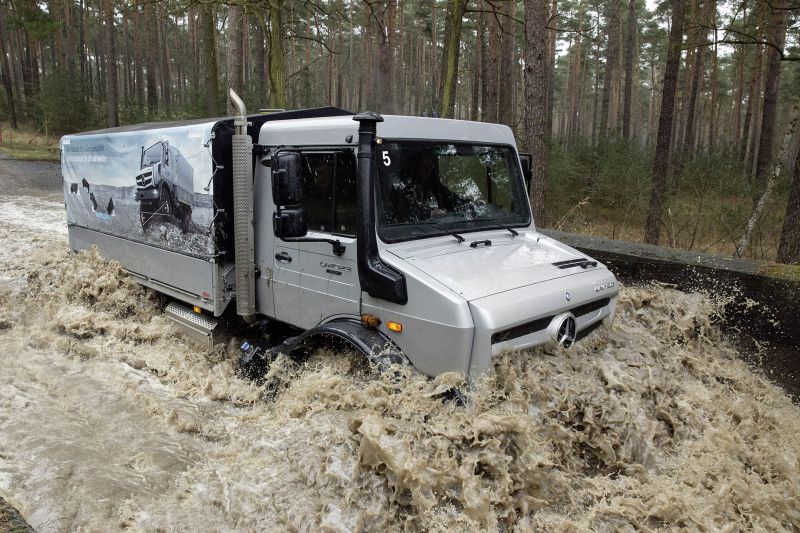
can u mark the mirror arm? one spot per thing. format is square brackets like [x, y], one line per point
[338, 247]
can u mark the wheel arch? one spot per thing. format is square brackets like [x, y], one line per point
[379, 350]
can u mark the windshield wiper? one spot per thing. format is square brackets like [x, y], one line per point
[496, 225]
[511, 230]
[430, 223]
[451, 232]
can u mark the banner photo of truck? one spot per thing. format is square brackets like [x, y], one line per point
[153, 186]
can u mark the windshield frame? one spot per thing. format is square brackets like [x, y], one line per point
[515, 169]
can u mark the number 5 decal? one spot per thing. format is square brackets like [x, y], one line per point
[387, 161]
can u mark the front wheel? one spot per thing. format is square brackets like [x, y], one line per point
[167, 207]
[146, 214]
[185, 214]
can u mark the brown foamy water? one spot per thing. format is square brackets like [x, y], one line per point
[109, 421]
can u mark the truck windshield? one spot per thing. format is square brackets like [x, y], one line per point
[152, 155]
[435, 188]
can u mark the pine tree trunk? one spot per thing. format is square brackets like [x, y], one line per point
[6, 72]
[697, 73]
[493, 67]
[277, 72]
[629, 53]
[452, 50]
[536, 63]
[476, 68]
[661, 162]
[386, 45]
[712, 123]
[210, 61]
[166, 74]
[610, 63]
[789, 246]
[505, 89]
[776, 36]
[112, 91]
[234, 52]
[138, 53]
[551, 65]
[752, 98]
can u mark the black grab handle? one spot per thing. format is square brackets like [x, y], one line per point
[474, 244]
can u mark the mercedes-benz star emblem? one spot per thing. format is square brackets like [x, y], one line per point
[568, 296]
[567, 331]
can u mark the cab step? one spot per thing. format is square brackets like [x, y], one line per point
[202, 329]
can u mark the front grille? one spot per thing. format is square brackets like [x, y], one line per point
[540, 324]
[590, 307]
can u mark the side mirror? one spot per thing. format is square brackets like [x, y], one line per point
[290, 223]
[287, 170]
[526, 160]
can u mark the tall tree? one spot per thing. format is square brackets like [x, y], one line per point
[629, 54]
[610, 63]
[452, 49]
[6, 72]
[661, 161]
[789, 246]
[234, 51]
[208, 38]
[386, 45]
[277, 69]
[536, 59]
[112, 90]
[776, 35]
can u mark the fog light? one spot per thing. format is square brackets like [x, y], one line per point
[370, 321]
[397, 327]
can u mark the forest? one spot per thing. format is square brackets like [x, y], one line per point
[669, 123]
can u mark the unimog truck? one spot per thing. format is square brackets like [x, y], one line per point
[408, 238]
[164, 185]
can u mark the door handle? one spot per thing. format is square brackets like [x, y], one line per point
[283, 257]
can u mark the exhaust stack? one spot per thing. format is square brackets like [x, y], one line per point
[242, 146]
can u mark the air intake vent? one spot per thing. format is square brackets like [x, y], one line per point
[583, 262]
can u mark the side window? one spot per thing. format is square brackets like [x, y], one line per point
[318, 191]
[330, 178]
[346, 173]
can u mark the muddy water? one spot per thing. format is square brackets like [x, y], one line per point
[108, 421]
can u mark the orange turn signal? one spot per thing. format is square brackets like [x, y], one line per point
[197, 309]
[397, 327]
[370, 321]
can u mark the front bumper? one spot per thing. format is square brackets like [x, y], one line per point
[519, 319]
[146, 194]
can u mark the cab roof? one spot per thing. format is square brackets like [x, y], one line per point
[336, 131]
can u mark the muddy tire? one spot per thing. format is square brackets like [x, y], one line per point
[167, 207]
[185, 214]
[145, 214]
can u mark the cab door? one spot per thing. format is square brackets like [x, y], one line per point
[328, 282]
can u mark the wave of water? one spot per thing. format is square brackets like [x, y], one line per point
[109, 421]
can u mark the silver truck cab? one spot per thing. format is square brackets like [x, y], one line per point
[451, 221]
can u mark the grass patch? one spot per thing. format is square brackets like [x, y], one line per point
[28, 144]
[28, 153]
[775, 270]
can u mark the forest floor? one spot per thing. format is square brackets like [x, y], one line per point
[28, 144]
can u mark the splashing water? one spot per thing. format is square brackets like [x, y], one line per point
[109, 421]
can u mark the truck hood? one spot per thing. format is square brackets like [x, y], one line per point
[509, 263]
